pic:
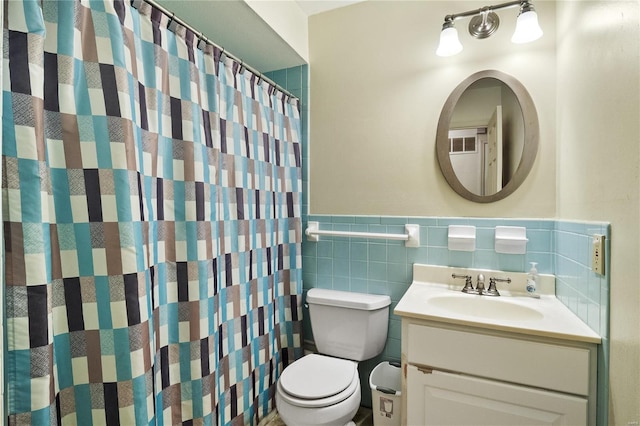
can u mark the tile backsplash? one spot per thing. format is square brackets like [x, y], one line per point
[378, 266]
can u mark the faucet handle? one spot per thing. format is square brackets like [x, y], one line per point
[492, 290]
[468, 284]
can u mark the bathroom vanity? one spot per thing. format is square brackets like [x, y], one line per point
[470, 359]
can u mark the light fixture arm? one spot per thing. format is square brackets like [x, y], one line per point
[454, 16]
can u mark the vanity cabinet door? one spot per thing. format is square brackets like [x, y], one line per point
[439, 398]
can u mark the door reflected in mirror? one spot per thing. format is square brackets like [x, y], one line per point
[487, 136]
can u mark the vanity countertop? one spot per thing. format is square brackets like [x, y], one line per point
[512, 312]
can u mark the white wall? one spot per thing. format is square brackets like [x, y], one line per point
[598, 154]
[377, 89]
[287, 20]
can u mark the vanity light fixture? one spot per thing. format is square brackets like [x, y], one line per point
[485, 22]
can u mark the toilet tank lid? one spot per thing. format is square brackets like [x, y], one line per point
[347, 299]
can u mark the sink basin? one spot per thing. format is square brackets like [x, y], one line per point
[435, 296]
[484, 307]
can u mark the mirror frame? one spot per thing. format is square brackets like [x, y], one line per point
[531, 136]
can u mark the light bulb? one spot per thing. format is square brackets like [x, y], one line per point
[527, 28]
[449, 42]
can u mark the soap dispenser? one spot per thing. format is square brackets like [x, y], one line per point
[532, 280]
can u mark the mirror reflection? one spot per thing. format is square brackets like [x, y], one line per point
[486, 136]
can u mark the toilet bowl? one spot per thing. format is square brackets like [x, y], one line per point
[318, 390]
[324, 389]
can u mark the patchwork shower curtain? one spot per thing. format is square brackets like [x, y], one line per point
[151, 207]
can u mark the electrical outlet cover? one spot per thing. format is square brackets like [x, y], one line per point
[597, 254]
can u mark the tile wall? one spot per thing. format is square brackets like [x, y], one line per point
[384, 266]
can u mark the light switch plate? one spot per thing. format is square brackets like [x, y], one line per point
[597, 254]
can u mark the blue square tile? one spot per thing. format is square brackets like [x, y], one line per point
[395, 229]
[321, 219]
[378, 252]
[309, 280]
[359, 251]
[438, 256]
[324, 282]
[325, 248]
[305, 76]
[398, 273]
[446, 221]
[486, 259]
[341, 267]
[340, 226]
[378, 271]
[373, 227]
[294, 78]
[379, 287]
[341, 283]
[485, 238]
[397, 253]
[511, 262]
[391, 220]
[279, 77]
[539, 241]
[593, 316]
[359, 227]
[584, 246]
[438, 237]
[548, 225]
[310, 264]
[417, 255]
[341, 249]
[359, 270]
[462, 259]
[358, 285]
[423, 221]
[368, 219]
[309, 248]
[343, 219]
[325, 266]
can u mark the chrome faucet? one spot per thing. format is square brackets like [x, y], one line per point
[480, 284]
[468, 284]
[492, 290]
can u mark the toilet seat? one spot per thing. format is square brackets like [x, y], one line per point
[318, 381]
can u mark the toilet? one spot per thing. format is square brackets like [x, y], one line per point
[324, 388]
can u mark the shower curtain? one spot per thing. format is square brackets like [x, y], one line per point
[151, 207]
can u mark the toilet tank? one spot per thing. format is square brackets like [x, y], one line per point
[347, 324]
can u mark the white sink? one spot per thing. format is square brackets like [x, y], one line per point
[485, 307]
[435, 296]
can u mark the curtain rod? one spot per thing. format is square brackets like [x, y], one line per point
[200, 35]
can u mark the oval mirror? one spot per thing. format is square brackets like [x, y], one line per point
[487, 136]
